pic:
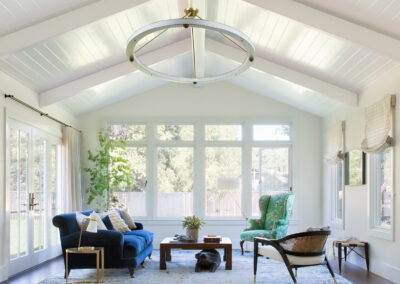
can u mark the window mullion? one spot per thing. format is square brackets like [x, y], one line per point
[151, 190]
[199, 193]
[246, 170]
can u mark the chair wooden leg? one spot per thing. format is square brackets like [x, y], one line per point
[330, 269]
[132, 272]
[255, 255]
[241, 246]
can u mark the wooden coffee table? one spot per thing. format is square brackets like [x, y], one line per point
[166, 246]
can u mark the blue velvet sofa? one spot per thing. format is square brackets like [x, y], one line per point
[121, 250]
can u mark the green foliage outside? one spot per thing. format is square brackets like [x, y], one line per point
[110, 172]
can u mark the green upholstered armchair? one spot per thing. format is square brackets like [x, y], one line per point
[276, 210]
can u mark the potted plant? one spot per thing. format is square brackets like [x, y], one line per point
[192, 224]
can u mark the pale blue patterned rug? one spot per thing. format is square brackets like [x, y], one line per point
[181, 270]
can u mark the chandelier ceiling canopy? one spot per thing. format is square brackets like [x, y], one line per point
[193, 21]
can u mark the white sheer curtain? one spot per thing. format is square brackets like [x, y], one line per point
[71, 170]
[335, 143]
[379, 125]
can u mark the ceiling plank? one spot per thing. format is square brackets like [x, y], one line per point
[63, 23]
[361, 35]
[282, 72]
[72, 88]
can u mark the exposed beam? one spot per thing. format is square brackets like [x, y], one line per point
[299, 78]
[63, 23]
[199, 39]
[72, 88]
[371, 39]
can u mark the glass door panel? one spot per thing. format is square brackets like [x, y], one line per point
[37, 195]
[18, 147]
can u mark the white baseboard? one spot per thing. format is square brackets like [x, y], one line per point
[380, 268]
[3, 273]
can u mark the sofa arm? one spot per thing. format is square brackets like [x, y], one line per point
[139, 226]
[100, 239]
[255, 224]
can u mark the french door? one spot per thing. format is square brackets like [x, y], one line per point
[32, 199]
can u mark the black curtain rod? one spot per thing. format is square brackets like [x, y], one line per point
[39, 111]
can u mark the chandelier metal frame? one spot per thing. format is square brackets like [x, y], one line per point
[190, 20]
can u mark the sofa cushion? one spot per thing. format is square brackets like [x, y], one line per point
[133, 245]
[148, 236]
[251, 234]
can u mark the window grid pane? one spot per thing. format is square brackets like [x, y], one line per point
[223, 181]
[175, 132]
[271, 132]
[128, 132]
[384, 190]
[175, 181]
[223, 132]
[134, 198]
[270, 172]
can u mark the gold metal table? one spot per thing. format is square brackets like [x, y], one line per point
[98, 251]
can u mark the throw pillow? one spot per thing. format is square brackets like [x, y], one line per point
[117, 222]
[100, 224]
[129, 220]
[82, 220]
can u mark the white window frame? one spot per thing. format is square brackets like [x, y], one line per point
[374, 229]
[336, 222]
[199, 145]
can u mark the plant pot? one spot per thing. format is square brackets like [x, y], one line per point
[194, 233]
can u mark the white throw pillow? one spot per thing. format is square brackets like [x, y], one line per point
[82, 220]
[117, 222]
[100, 224]
[129, 220]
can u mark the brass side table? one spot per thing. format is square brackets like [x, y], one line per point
[98, 251]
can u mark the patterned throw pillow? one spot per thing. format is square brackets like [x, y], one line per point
[117, 222]
[129, 220]
[82, 220]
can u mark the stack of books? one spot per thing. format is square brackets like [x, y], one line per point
[212, 239]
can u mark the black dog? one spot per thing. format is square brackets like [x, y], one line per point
[208, 259]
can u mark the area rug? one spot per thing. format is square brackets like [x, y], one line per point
[181, 271]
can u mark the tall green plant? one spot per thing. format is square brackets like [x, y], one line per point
[110, 172]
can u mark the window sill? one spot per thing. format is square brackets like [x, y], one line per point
[381, 233]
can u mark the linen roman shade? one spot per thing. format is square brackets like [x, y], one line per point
[379, 125]
[335, 143]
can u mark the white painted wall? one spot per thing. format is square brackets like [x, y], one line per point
[223, 100]
[384, 254]
[12, 87]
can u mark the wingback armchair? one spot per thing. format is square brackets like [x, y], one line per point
[276, 210]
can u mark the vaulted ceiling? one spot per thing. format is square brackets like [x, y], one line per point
[311, 54]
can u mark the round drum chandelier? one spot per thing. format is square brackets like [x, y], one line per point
[190, 20]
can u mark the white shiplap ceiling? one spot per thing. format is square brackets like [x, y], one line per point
[319, 62]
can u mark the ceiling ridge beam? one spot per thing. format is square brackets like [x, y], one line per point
[335, 92]
[378, 42]
[63, 23]
[72, 88]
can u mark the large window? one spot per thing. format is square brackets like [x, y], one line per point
[381, 193]
[181, 169]
[337, 191]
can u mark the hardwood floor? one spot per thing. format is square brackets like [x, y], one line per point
[36, 274]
